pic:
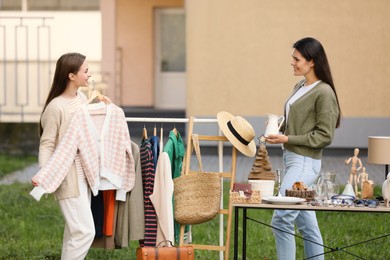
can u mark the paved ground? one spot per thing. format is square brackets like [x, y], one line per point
[332, 160]
[23, 176]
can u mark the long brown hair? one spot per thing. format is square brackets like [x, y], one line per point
[66, 64]
[312, 49]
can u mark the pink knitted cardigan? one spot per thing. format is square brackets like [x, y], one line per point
[106, 154]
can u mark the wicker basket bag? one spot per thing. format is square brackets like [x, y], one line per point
[197, 196]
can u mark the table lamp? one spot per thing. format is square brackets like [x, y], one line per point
[379, 151]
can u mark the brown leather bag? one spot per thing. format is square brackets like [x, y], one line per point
[165, 253]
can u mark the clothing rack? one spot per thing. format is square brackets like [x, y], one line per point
[220, 153]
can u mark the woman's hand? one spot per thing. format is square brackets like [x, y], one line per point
[34, 182]
[277, 139]
[105, 99]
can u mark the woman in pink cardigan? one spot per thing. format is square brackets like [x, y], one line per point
[73, 195]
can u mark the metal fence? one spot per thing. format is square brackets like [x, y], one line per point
[49, 5]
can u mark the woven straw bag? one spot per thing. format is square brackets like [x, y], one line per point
[197, 196]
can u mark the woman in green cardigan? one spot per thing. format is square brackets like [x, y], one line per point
[312, 113]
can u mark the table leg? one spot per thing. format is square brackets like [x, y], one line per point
[236, 213]
[244, 221]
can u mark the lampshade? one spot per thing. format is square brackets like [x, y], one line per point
[379, 149]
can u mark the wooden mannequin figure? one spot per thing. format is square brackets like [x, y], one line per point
[367, 186]
[352, 175]
[362, 177]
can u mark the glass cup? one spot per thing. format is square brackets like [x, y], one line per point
[331, 189]
[320, 194]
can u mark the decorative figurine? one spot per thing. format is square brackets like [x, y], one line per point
[368, 190]
[352, 175]
[348, 190]
[386, 190]
[262, 167]
[362, 177]
[366, 185]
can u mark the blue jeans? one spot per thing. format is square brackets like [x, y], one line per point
[306, 170]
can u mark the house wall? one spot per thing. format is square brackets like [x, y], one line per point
[239, 53]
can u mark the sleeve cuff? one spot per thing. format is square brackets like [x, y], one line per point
[120, 195]
[37, 192]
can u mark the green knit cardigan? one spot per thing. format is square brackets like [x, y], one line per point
[311, 121]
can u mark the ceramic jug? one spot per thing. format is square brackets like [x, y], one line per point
[274, 124]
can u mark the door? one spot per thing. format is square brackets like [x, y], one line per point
[170, 59]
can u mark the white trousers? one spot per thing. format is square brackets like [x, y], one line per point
[79, 226]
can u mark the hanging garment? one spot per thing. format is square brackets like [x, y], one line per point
[106, 240]
[162, 200]
[103, 209]
[136, 208]
[148, 175]
[131, 214]
[155, 146]
[175, 151]
[97, 208]
[112, 145]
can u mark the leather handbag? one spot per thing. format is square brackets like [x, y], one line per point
[165, 253]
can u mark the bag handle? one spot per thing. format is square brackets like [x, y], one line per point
[195, 141]
[195, 146]
[167, 242]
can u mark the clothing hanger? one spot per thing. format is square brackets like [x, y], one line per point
[95, 93]
[161, 137]
[154, 130]
[174, 130]
[144, 133]
[161, 129]
[96, 107]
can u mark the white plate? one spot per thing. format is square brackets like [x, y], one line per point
[283, 200]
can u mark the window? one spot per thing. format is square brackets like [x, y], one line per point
[172, 42]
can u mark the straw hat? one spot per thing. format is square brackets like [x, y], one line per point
[238, 131]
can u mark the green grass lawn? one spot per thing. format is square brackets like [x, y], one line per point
[11, 163]
[33, 230]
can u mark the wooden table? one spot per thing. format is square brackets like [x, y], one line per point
[301, 206]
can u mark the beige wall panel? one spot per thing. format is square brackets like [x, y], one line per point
[135, 36]
[239, 53]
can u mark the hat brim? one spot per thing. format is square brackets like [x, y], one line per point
[249, 150]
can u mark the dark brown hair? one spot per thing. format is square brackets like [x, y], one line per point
[312, 49]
